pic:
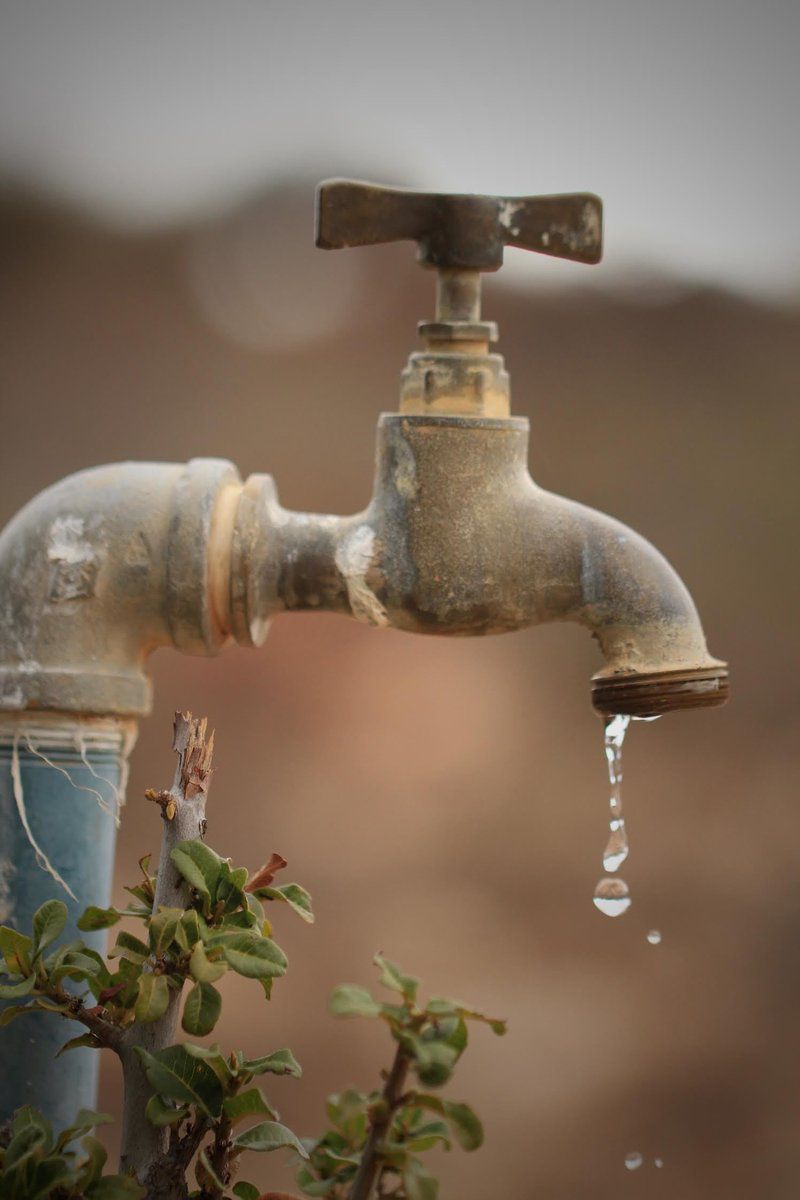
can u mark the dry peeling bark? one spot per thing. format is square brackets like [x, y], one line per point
[144, 1147]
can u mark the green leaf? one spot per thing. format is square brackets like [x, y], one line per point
[242, 919]
[350, 1000]
[48, 922]
[192, 927]
[312, 1186]
[161, 931]
[269, 1135]
[347, 1111]
[177, 1074]
[98, 918]
[433, 1060]
[463, 1121]
[92, 1167]
[159, 1113]
[250, 1103]
[437, 1049]
[246, 1191]
[418, 1183]
[153, 998]
[465, 1124]
[425, 1137]
[16, 949]
[115, 1187]
[292, 894]
[392, 977]
[199, 866]
[280, 1062]
[202, 968]
[215, 1059]
[80, 964]
[438, 1006]
[9, 1014]
[48, 1174]
[49, 1005]
[129, 947]
[25, 1141]
[230, 888]
[10, 991]
[253, 956]
[26, 1115]
[83, 1039]
[201, 1010]
[86, 1119]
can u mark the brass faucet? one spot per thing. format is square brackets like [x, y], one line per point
[457, 538]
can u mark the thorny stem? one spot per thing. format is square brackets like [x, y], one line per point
[145, 1147]
[392, 1097]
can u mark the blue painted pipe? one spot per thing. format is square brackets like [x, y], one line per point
[75, 830]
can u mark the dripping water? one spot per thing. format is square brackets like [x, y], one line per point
[616, 850]
[612, 895]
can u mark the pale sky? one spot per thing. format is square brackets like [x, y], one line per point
[682, 114]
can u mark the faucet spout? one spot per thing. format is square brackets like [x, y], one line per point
[616, 584]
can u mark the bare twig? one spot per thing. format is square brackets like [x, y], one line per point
[144, 1147]
[392, 1097]
[219, 1155]
[107, 1034]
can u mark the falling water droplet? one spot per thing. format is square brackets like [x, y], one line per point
[633, 1160]
[654, 937]
[658, 1162]
[611, 896]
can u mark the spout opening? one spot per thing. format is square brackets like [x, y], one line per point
[650, 695]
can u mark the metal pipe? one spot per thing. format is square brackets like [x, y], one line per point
[62, 780]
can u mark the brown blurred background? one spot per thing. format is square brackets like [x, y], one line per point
[446, 801]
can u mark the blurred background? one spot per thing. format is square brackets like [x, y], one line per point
[446, 801]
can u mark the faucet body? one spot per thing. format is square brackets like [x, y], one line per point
[457, 540]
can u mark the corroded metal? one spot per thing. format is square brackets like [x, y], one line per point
[463, 232]
[104, 567]
[458, 540]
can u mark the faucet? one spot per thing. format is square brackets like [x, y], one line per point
[457, 540]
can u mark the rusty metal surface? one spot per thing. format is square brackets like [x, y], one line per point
[463, 232]
[458, 540]
[101, 569]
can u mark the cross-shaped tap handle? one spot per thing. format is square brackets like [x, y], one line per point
[459, 232]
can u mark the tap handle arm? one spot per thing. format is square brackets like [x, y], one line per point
[459, 232]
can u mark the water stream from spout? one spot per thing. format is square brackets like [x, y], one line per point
[612, 895]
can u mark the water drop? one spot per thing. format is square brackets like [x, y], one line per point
[633, 1160]
[612, 897]
[654, 937]
[658, 1162]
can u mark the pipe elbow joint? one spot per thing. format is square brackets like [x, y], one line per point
[104, 567]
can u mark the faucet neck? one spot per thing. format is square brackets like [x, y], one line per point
[455, 375]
